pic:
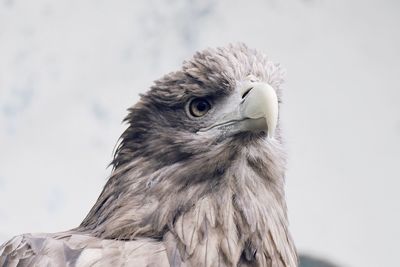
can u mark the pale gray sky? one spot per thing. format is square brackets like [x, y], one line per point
[69, 70]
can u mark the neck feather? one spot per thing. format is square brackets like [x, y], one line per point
[233, 199]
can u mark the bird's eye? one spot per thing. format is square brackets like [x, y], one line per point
[199, 107]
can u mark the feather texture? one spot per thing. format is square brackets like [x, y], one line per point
[176, 198]
[71, 249]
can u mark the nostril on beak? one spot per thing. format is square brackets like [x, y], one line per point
[246, 92]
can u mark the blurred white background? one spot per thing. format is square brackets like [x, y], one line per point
[69, 69]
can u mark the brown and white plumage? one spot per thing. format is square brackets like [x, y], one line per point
[188, 190]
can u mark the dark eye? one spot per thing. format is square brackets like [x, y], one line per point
[199, 107]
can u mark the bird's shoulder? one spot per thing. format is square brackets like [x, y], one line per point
[75, 249]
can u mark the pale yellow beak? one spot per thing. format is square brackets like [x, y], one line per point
[253, 108]
[261, 102]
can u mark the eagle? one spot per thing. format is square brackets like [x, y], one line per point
[197, 177]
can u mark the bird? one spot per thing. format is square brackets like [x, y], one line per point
[198, 176]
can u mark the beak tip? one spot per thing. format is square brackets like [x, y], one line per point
[270, 133]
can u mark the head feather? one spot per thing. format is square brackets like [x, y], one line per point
[168, 181]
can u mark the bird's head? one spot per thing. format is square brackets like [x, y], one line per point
[204, 136]
[220, 97]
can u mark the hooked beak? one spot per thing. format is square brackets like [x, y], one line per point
[256, 111]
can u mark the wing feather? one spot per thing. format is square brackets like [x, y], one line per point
[78, 250]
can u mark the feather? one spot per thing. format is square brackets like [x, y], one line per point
[80, 250]
[180, 195]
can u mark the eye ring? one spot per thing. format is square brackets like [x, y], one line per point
[199, 107]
